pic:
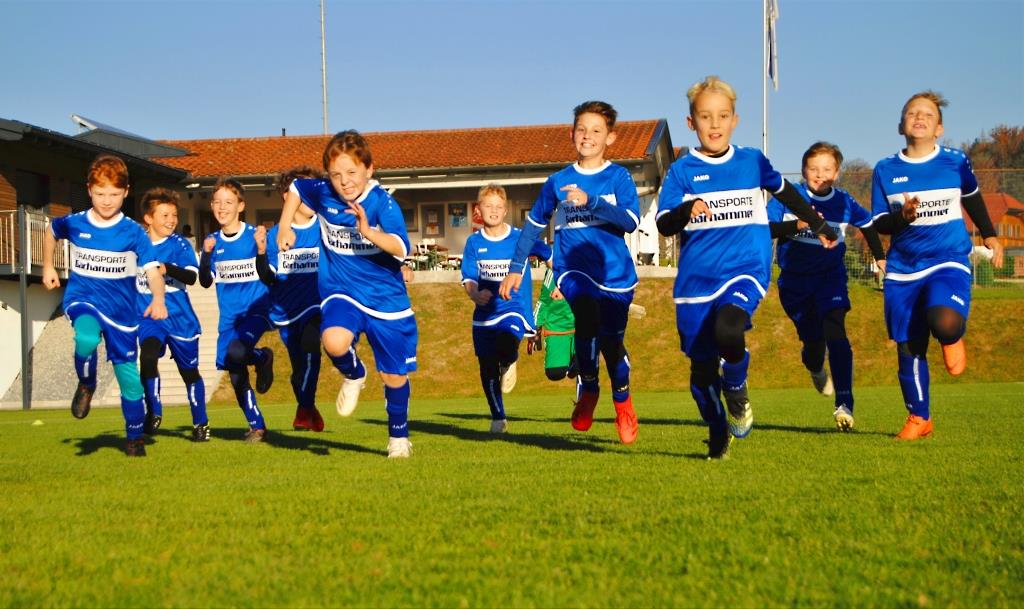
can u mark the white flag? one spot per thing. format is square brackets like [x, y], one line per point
[773, 47]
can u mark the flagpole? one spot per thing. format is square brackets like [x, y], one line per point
[764, 76]
[323, 63]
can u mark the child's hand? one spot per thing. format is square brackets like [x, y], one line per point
[156, 311]
[406, 274]
[510, 285]
[881, 267]
[534, 343]
[261, 239]
[993, 244]
[910, 207]
[209, 243]
[700, 208]
[574, 195]
[556, 294]
[162, 268]
[482, 297]
[362, 223]
[50, 279]
[285, 238]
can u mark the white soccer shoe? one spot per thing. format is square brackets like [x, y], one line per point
[399, 448]
[637, 311]
[823, 382]
[508, 379]
[741, 416]
[348, 395]
[843, 417]
[499, 426]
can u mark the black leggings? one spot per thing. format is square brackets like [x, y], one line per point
[944, 323]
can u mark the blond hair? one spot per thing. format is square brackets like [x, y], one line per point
[714, 84]
[933, 96]
[491, 189]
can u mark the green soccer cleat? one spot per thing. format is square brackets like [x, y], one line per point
[741, 417]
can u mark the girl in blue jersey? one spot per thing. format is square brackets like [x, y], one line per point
[916, 196]
[106, 249]
[595, 204]
[229, 256]
[713, 199]
[363, 242]
[812, 284]
[295, 302]
[498, 325]
[180, 331]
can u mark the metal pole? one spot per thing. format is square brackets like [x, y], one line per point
[26, 322]
[764, 76]
[323, 62]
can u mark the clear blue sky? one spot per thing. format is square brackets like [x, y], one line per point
[183, 69]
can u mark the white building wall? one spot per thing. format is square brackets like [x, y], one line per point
[41, 305]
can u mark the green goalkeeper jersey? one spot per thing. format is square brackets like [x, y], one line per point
[553, 315]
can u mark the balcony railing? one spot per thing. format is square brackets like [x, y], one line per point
[10, 244]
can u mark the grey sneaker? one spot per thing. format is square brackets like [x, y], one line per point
[399, 448]
[255, 436]
[822, 382]
[843, 417]
[499, 426]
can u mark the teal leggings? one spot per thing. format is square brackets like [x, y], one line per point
[87, 340]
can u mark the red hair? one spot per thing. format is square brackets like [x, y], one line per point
[108, 169]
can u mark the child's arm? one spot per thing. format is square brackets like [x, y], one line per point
[205, 274]
[157, 309]
[470, 276]
[542, 209]
[975, 206]
[388, 242]
[263, 269]
[803, 210]
[50, 278]
[285, 234]
[621, 214]
[181, 274]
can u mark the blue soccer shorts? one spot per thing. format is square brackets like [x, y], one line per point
[614, 304]
[807, 299]
[485, 333]
[393, 340]
[248, 329]
[184, 349]
[695, 317]
[907, 302]
[121, 341]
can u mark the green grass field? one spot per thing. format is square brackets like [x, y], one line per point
[801, 515]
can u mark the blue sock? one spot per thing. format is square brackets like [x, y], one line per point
[913, 375]
[246, 398]
[492, 390]
[151, 387]
[396, 402]
[619, 373]
[840, 362]
[349, 364]
[709, 403]
[87, 339]
[86, 369]
[734, 376]
[257, 356]
[134, 412]
[305, 373]
[197, 402]
[132, 406]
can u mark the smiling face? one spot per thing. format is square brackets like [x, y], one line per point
[713, 118]
[591, 136]
[493, 209]
[922, 121]
[162, 220]
[349, 176]
[820, 172]
[226, 208]
[107, 199]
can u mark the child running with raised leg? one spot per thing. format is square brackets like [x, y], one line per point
[100, 298]
[363, 242]
[595, 204]
[918, 196]
[713, 199]
[812, 284]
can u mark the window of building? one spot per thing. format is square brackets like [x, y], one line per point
[33, 188]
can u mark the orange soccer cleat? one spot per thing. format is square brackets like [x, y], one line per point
[915, 428]
[955, 357]
[625, 421]
[583, 412]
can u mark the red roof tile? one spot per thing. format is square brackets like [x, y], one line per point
[998, 205]
[396, 150]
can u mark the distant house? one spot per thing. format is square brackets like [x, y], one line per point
[434, 175]
[1007, 215]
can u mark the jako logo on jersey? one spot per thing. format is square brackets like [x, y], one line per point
[220, 251]
[900, 180]
[481, 250]
[84, 236]
[701, 178]
[957, 299]
[332, 210]
[741, 296]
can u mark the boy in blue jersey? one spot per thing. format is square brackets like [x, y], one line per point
[363, 242]
[498, 325]
[106, 250]
[812, 284]
[595, 204]
[229, 256]
[180, 331]
[295, 302]
[916, 197]
[713, 199]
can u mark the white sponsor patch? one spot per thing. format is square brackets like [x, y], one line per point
[493, 270]
[299, 260]
[237, 271]
[937, 206]
[731, 208]
[346, 240]
[101, 264]
[807, 236]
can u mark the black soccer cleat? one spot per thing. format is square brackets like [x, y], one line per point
[265, 372]
[135, 448]
[152, 423]
[201, 433]
[255, 436]
[718, 444]
[82, 402]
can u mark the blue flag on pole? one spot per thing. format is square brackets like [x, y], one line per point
[773, 47]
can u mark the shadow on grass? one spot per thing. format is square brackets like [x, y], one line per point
[88, 446]
[314, 443]
[485, 416]
[546, 442]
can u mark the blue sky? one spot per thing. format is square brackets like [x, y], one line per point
[225, 68]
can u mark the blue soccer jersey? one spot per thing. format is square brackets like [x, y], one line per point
[589, 239]
[485, 262]
[803, 252]
[295, 293]
[181, 319]
[351, 267]
[938, 237]
[105, 257]
[734, 244]
[240, 293]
